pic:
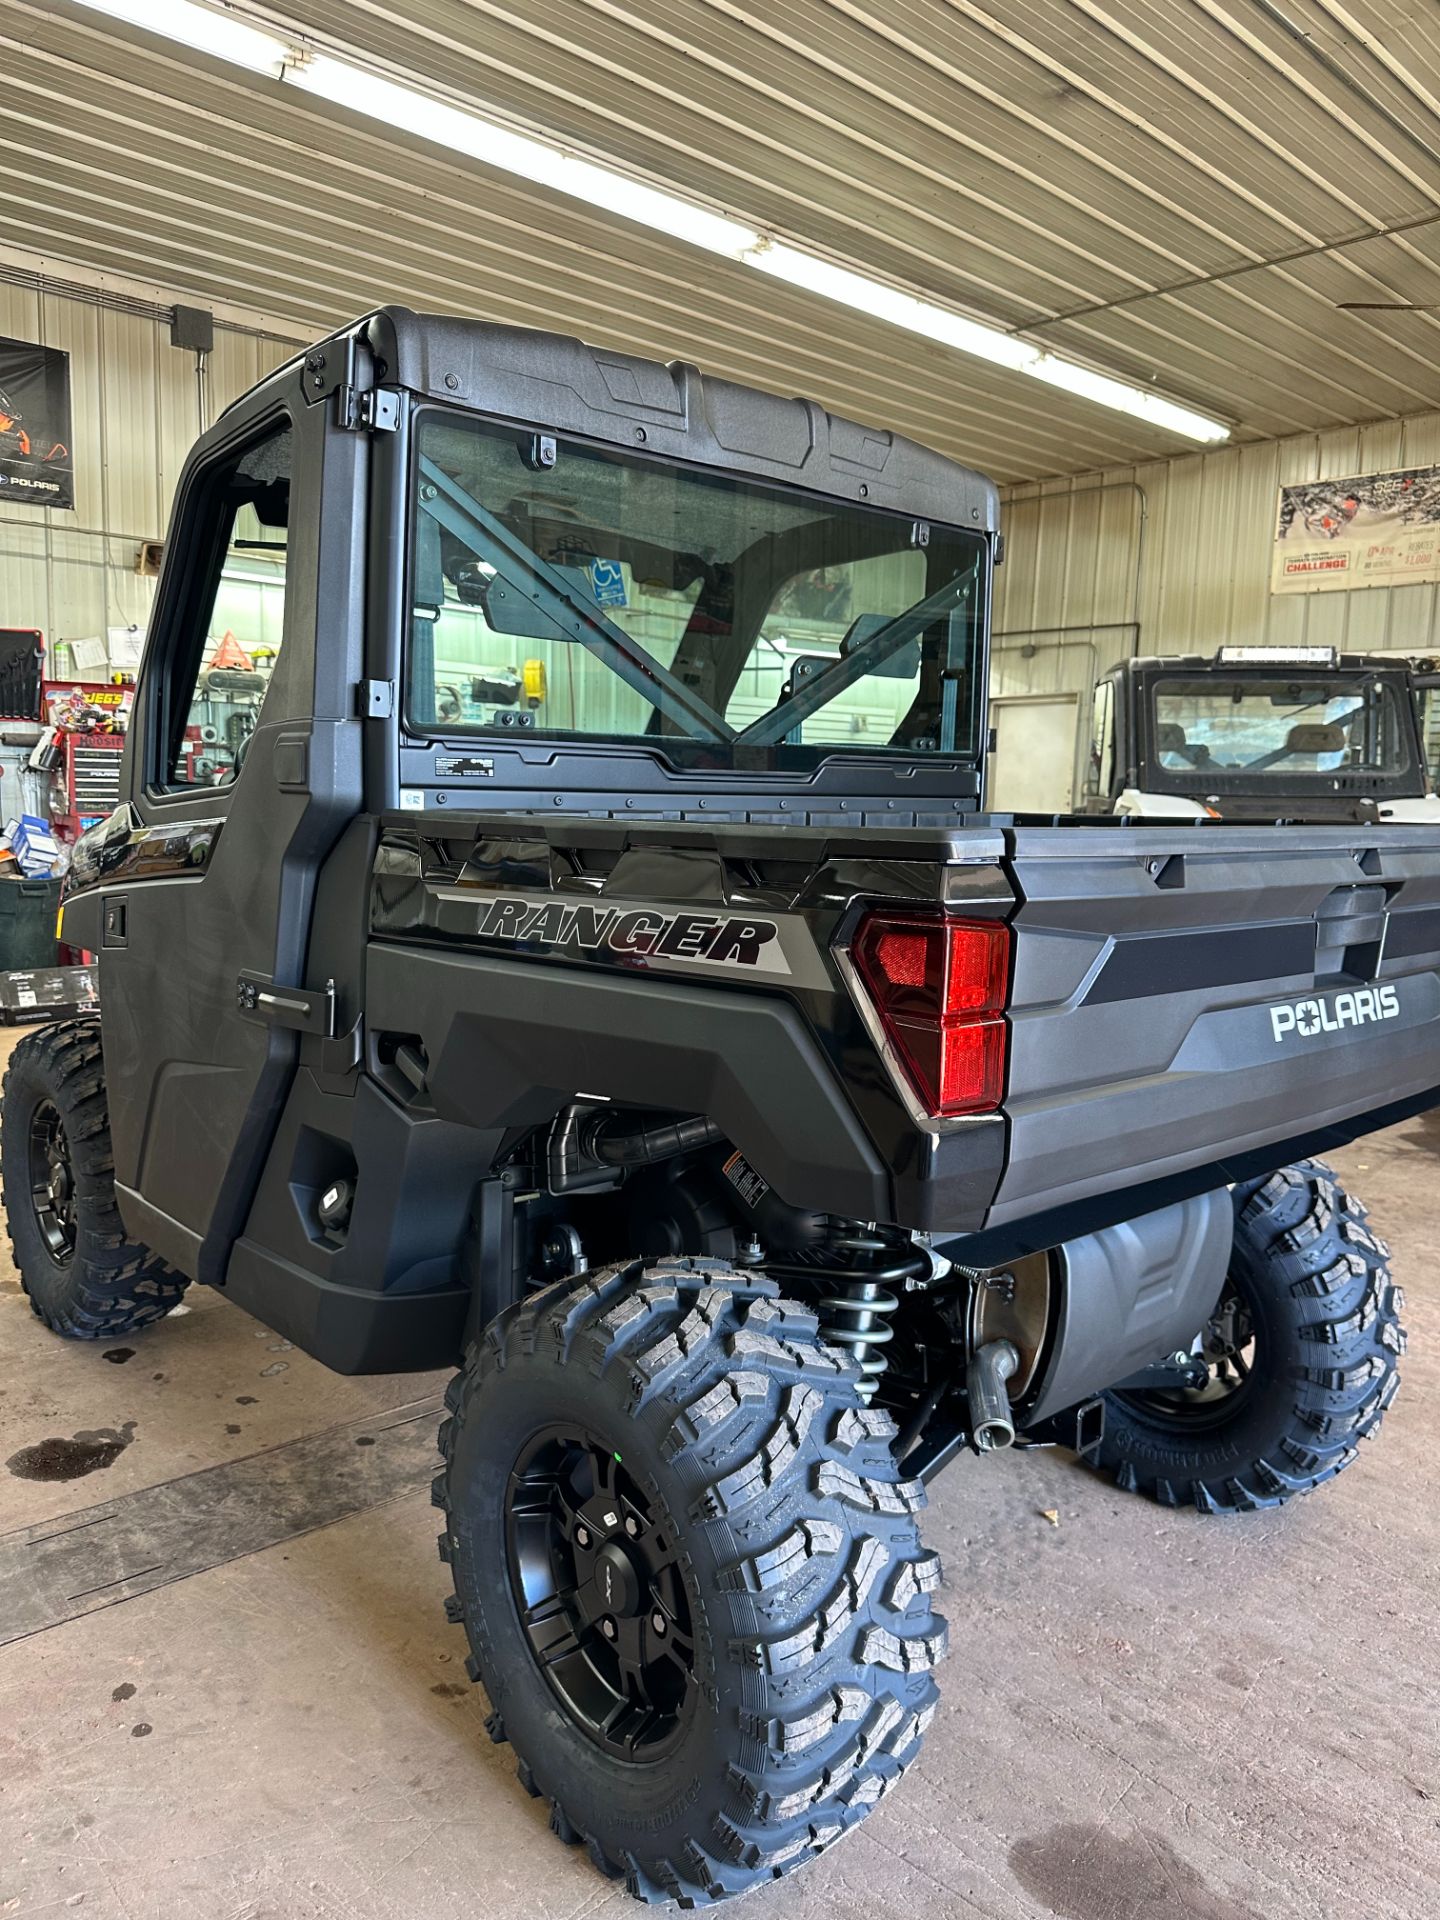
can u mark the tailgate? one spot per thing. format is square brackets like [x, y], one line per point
[1183, 995]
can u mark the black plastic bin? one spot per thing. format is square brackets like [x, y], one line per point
[27, 923]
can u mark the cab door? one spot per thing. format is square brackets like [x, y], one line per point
[1099, 788]
[242, 768]
[1423, 690]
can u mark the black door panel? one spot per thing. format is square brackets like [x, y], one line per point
[220, 875]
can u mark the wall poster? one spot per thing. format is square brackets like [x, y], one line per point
[1372, 530]
[36, 468]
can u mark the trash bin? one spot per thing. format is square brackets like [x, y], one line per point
[27, 923]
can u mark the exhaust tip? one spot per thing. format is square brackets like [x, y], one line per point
[991, 1427]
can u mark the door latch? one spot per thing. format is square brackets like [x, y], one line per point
[303, 1009]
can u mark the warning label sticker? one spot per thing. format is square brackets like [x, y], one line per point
[745, 1180]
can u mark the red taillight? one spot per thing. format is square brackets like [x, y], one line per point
[938, 987]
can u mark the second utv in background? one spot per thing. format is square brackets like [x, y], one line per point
[1262, 734]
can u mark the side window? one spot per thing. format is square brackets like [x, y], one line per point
[233, 620]
[1101, 765]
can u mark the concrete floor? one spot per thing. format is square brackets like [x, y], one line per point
[1147, 1715]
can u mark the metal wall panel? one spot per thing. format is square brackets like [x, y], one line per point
[1066, 596]
[136, 406]
[1174, 557]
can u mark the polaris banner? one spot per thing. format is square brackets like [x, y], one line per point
[35, 465]
[1371, 530]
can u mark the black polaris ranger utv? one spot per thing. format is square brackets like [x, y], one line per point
[594, 971]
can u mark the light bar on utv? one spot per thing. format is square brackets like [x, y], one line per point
[1277, 657]
[937, 988]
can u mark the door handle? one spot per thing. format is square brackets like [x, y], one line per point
[302, 1009]
[113, 921]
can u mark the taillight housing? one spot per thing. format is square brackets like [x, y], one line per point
[938, 990]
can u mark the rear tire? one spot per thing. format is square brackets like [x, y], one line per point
[793, 1591]
[1314, 1290]
[86, 1280]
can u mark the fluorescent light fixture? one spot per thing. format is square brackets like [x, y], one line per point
[222, 34]
[1106, 391]
[548, 165]
[952, 329]
[888, 303]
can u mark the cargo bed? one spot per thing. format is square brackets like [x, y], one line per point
[1187, 996]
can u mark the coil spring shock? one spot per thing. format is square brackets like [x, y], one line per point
[858, 1263]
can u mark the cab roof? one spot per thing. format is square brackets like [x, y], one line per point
[1302, 660]
[559, 384]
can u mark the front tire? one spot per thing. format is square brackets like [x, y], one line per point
[690, 1574]
[1303, 1359]
[86, 1279]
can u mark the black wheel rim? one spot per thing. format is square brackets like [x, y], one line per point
[52, 1181]
[1230, 1356]
[595, 1571]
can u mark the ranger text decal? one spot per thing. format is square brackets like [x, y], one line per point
[636, 933]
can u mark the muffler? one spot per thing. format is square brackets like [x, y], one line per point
[991, 1423]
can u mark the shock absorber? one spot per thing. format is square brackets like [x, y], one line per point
[856, 1264]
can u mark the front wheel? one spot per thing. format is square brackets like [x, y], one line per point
[86, 1279]
[690, 1574]
[1300, 1359]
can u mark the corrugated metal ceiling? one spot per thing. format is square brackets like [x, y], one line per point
[1178, 191]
